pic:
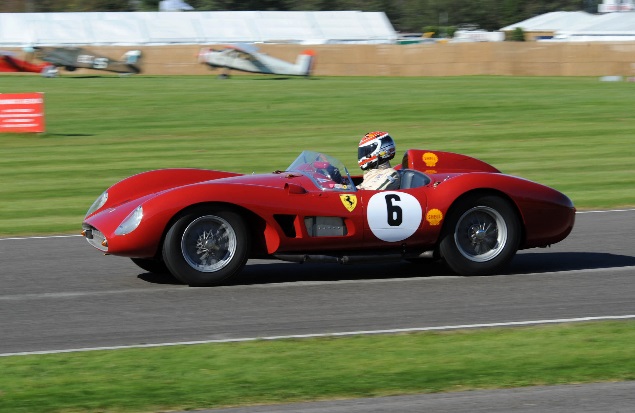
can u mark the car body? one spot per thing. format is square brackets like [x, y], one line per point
[203, 225]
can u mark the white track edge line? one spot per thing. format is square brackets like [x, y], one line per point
[605, 210]
[39, 237]
[321, 335]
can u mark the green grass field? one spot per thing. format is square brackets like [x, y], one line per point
[264, 372]
[575, 134]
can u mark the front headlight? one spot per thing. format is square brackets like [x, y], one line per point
[99, 202]
[131, 222]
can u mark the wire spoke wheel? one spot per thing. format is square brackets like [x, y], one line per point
[481, 234]
[208, 243]
[207, 246]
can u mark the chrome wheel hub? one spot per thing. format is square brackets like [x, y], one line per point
[208, 243]
[481, 234]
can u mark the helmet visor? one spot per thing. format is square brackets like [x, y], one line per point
[364, 151]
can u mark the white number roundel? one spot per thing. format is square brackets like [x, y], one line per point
[393, 216]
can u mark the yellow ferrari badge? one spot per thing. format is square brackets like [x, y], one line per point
[349, 201]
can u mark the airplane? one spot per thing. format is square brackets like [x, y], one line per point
[10, 63]
[246, 58]
[71, 58]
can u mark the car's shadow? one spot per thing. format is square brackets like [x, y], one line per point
[272, 272]
[70, 134]
[112, 75]
[540, 262]
[277, 77]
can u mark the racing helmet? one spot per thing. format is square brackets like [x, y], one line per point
[374, 149]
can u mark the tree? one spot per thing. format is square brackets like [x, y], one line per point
[518, 35]
[405, 15]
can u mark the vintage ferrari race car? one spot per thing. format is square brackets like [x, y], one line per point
[203, 225]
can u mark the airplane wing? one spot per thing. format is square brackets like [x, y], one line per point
[247, 48]
[58, 56]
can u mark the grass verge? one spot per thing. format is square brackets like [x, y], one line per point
[575, 134]
[262, 372]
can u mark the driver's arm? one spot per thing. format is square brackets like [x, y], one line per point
[380, 179]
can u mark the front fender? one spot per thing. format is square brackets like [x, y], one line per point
[160, 209]
[157, 181]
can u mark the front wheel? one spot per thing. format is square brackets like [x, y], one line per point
[206, 247]
[481, 236]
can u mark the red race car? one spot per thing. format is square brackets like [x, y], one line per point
[202, 225]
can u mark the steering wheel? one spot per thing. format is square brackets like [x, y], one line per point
[328, 170]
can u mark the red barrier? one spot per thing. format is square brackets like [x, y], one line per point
[21, 112]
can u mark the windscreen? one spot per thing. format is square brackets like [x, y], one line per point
[328, 173]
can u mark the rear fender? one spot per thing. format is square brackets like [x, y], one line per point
[546, 215]
[432, 162]
[447, 193]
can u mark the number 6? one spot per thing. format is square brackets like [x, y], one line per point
[395, 214]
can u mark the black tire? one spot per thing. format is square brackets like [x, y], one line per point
[481, 236]
[206, 247]
[151, 265]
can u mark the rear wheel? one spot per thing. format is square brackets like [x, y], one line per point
[206, 247]
[481, 236]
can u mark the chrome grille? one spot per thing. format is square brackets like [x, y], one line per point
[95, 237]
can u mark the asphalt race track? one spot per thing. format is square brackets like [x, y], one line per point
[58, 293]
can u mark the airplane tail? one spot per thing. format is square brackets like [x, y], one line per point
[202, 54]
[132, 59]
[306, 62]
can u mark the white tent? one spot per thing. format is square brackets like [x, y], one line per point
[581, 26]
[605, 27]
[147, 28]
[554, 21]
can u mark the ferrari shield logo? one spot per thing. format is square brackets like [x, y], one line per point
[349, 201]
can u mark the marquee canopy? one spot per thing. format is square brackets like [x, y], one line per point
[213, 27]
[581, 26]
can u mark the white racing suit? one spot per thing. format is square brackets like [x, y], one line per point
[380, 178]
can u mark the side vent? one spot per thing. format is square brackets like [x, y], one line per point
[286, 223]
[325, 226]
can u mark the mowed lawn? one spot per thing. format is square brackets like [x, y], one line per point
[179, 378]
[575, 134]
